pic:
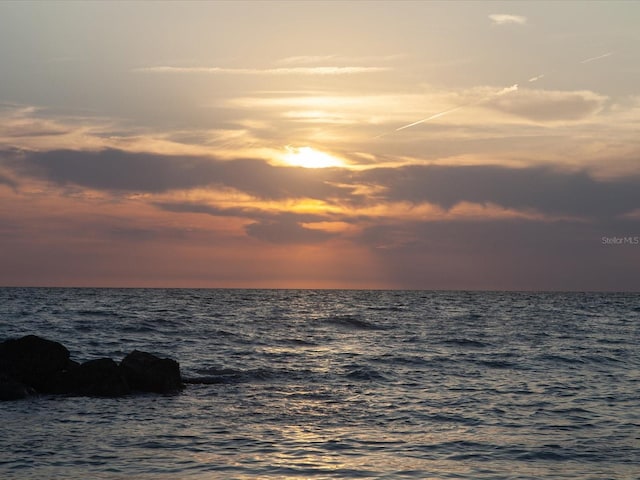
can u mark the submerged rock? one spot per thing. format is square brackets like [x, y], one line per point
[31, 365]
[32, 360]
[97, 378]
[11, 389]
[148, 373]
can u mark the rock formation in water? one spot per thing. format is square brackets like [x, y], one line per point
[34, 365]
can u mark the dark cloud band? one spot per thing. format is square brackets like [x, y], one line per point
[118, 170]
[544, 190]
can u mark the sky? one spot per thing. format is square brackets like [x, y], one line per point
[402, 145]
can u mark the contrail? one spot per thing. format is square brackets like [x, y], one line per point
[512, 88]
[587, 60]
[441, 114]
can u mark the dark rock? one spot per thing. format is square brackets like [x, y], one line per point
[96, 378]
[10, 389]
[32, 360]
[31, 365]
[71, 364]
[147, 373]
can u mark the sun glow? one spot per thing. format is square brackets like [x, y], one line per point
[307, 157]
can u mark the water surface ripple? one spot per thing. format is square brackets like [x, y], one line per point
[337, 384]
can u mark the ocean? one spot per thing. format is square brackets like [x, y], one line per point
[313, 384]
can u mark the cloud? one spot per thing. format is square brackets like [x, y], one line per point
[471, 244]
[333, 59]
[117, 170]
[286, 232]
[535, 188]
[317, 70]
[529, 190]
[545, 106]
[433, 193]
[507, 19]
[18, 121]
[4, 180]
[114, 170]
[252, 213]
[269, 226]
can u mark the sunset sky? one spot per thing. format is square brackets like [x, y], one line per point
[422, 145]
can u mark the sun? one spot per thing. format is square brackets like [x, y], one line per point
[308, 157]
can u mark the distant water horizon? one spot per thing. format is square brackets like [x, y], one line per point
[354, 289]
[334, 383]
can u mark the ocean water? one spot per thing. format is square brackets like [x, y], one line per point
[297, 384]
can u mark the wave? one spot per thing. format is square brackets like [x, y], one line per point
[96, 313]
[138, 328]
[390, 308]
[392, 359]
[453, 418]
[211, 376]
[352, 322]
[365, 374]
[221, 333]
[559, 453]
[465, 342]
[298, 342]
[555, 358]
[229, 375]
[498, 364]
[602, 359]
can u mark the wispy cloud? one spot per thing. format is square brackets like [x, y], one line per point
[507, 19]
[334, 59]
[549, 106]
[322, 70]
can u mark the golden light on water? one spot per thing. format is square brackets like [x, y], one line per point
[308, 157]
